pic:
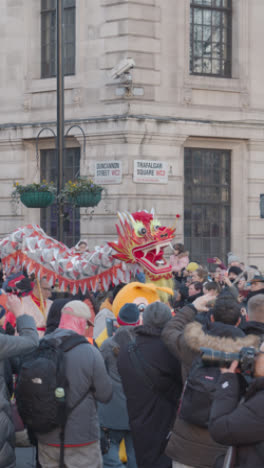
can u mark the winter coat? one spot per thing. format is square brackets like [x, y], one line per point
[189, 444]
[85, 370]
[11, 346]
[252, 294]
[240, 425]
[254, 328]
[151, 411]
[113, 414]
[100, 319]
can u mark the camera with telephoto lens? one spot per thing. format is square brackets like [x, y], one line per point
[16, 291]
[245, 357]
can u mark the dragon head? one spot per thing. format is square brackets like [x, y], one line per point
[142, 240]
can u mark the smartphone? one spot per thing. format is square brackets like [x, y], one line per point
[111, 326]
[210, 260]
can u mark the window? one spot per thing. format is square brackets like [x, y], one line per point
[207, 192]
[211, 37]
[48, 216]
[48, 38]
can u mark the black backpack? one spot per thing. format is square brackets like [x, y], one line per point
[198, 394]
[40, 374]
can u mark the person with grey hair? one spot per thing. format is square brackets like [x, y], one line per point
[255, 324]
[151, 379]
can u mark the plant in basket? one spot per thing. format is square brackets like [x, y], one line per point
[81, 192]
[35, 195]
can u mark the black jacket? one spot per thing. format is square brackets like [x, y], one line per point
[253, 293]
[190, 444]
[254, 328]
[151, 413]
[240, 425]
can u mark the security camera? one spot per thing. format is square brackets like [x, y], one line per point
[122, 67]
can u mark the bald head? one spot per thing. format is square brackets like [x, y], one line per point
[256, 308]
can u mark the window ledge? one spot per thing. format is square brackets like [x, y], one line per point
[232, 85]
[44, 85]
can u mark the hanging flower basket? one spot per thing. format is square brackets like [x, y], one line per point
[35, 195]
[86, 199]
[82, 192]
[37, 199]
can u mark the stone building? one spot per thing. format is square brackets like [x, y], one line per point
[195, 103]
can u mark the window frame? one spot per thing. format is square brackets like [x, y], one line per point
[204, 205]
[228, 10]
[71, 212]
[48, 45]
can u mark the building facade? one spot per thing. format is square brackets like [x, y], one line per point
[196, 103]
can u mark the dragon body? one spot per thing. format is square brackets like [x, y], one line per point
[139, 247]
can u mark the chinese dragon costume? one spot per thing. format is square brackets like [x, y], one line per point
[139, 247]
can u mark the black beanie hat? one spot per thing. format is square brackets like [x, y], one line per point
[128, 315]
[235, 269]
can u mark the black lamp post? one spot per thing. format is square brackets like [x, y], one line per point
[60, 111]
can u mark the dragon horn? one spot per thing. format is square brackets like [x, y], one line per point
[130, 217]
[120, 216]
[152, 211]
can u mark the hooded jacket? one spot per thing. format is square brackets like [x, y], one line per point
[11, 346]
[85, 370]
[254, 328]
[113, 414]
[190, 444]
[151, 412]
[240, 425]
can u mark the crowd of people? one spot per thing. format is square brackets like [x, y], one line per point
[138, 392]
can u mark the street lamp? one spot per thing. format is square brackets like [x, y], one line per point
[60, 111]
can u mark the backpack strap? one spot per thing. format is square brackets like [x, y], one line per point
[71, 341]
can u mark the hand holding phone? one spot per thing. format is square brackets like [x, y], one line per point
[210, 260]
[111, 326]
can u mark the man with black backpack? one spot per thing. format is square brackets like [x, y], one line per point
[57, 390]
[190, 444]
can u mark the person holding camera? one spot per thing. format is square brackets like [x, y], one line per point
[240, 423]
[191, 444]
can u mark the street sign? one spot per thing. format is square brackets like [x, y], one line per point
[108, 172]
[150, 172]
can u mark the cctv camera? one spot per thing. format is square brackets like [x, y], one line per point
[122, 67]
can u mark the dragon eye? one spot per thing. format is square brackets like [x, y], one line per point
[142, 231]
[155, 225]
